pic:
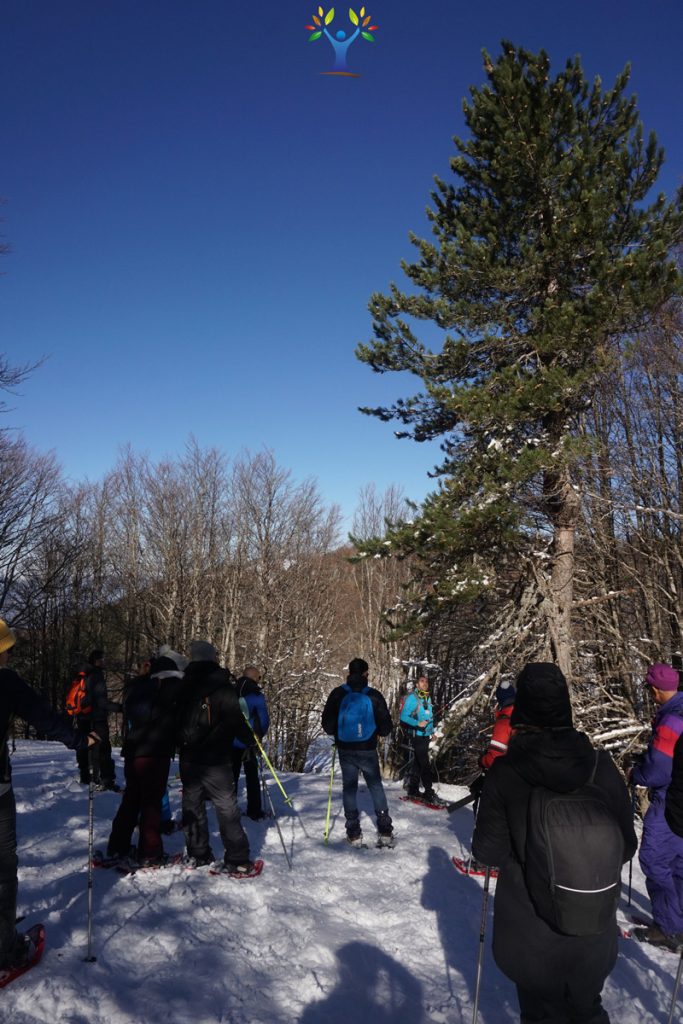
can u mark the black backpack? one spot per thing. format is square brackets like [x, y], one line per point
[573, 858]
[196, 722]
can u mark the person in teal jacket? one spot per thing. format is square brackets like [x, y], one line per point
[417, 715]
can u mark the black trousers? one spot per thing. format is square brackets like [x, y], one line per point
[8, 878]
[565, 1009]
[214, 782]
[420, 770]
[251, 777]
[103, 768]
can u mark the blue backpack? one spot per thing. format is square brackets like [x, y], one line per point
[356, 722]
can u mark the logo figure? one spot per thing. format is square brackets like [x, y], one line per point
[339, 41]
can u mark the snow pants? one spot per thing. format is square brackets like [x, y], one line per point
[146, 779]
[661, 858]
[247, 758]
[563, 1010]
[213, 782]
[352, 763]
[8, 878]
[420, 770]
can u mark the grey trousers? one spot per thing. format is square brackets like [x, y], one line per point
[215, 782]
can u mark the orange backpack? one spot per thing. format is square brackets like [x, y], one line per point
[78, 698]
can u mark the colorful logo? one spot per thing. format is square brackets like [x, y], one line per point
[340, 41]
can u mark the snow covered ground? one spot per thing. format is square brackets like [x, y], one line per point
[346, 937]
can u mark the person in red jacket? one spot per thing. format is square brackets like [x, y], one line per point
[498, 744]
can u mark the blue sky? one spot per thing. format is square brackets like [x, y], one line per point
[198, 216]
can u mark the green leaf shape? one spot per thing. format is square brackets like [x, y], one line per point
[329, 16]
[366, 35]
[353, 16]
[313, 36]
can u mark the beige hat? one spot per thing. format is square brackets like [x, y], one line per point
[8, 637]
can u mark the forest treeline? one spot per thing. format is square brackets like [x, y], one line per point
[237, 552]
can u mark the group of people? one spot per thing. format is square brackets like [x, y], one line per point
[214, 722]
[557, 943]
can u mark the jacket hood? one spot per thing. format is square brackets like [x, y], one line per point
[203, 677]
[559, 759]
[245, 686]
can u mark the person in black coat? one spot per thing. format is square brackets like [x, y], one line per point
[209, 719]
[360, 756]
[104, 771]
[17, 698]
[559, 977]
[149, 707]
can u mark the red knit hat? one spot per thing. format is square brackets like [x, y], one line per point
[662, 677]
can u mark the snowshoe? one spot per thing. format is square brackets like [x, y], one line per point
[34, 940]
[249, 869]
[385, 842]
[356, 842]
[467, 866]
[421, 802]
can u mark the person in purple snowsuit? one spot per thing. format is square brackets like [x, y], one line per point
[661, 850]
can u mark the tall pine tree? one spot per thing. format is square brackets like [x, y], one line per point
[545, 251]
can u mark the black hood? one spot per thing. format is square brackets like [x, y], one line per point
[561, 760]
[542, 697]
[202, 678]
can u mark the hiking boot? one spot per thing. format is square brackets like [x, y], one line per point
[236, 870]
[160, 861]
[430, 797]
[656, 937]
[256, 815]
[196, 862]
[356, 840]
[386, 841]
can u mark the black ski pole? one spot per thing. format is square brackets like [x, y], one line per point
[89, 958]
[677, 983]
[455, 805]
[482, 936]
[272, 811]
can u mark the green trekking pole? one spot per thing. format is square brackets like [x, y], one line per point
[326, 833]
[271, 769]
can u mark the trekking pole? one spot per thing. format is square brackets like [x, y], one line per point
[271, 769]
[630, 863]
[677, 983]
[264, 786]
[482, 935]
[89, 958]
[326, 833]
[475, 808]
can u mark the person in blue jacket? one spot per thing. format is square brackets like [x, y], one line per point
[417, 715]
[661, 850]
[249, 692]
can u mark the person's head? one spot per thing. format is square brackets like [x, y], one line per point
[96, 658]
[663, 681]
[542, 700]
[253, 673]
[358, 667]
[162, 664]
[505, 694]
[422, 686]
[8, 638]
[143, 664]
[202, 650]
